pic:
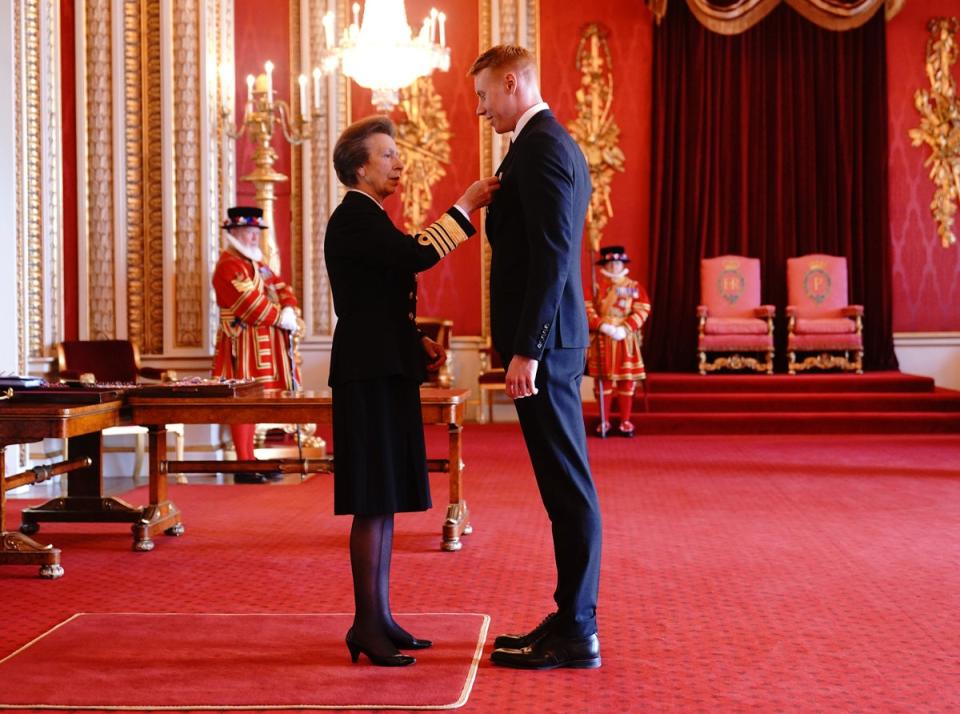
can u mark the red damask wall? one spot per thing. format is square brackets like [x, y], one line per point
[261, 33]
[68, 103]
[926, 276]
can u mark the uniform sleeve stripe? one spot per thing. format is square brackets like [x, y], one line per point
[442, 237]
[427, 238]
[448, 224]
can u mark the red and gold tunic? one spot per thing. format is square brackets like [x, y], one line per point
[625, 303]
[249, 344]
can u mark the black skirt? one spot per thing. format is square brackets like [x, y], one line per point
[379, 457]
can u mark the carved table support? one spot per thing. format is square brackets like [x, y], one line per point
[457, 522]
[18, 549]
[161, 514]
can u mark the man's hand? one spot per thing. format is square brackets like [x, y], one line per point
[520, 378]
[436, 355]
[288, 319]
[480, 193]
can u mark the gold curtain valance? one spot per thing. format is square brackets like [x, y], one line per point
[731, 17]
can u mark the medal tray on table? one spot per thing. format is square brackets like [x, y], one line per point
[213, 388]
[67, 395]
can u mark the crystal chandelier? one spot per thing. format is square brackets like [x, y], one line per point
[382, 54]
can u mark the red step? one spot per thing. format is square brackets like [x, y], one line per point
[803, 383]
[798, 423]
[872, 403]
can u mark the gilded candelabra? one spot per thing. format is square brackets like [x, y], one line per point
[262, 114]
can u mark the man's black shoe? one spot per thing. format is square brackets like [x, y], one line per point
[273, 475]
[520, 641]
[249, 478]
[552, 651]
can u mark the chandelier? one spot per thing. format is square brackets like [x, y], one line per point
[381, 53]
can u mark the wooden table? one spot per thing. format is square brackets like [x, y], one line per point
[22, 423]
[439, 406]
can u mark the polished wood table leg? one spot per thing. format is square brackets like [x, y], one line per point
[84, 502]
[18, 549]
[161, 514]
[457, 522]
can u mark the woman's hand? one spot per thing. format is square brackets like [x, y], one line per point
[480, 193]
[436, 355]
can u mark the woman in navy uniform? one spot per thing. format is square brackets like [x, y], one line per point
[377, 363]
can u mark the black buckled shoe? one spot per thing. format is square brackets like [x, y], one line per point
[249, 478]
[552, 651]
[525, 640]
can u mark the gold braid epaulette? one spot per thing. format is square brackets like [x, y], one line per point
[444, 235]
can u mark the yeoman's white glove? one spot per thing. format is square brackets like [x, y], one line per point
[607, 329]
[619, 333]
[288, 319]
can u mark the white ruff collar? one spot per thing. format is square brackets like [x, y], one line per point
[616, 277]
[254, 254]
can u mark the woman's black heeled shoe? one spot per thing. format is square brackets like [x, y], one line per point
[410, 643]
[394, 660]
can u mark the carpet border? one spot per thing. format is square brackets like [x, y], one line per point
[464, 692]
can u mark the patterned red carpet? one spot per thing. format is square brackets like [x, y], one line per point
[760, 574]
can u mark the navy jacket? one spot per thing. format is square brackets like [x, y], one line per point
[535, 228]
[372, 267]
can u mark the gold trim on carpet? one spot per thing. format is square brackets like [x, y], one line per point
[461, 700]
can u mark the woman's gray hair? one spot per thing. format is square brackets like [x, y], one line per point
[350, 152]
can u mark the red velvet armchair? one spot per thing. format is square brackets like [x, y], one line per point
[734, 326]
[820, 321]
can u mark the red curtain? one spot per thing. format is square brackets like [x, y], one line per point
[771, 144]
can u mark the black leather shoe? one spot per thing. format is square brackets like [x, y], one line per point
[249, 478]
[552, 651]
[273, 475]
[520, 641]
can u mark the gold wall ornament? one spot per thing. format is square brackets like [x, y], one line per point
[423, 137]
[940, 124]
[594, 127]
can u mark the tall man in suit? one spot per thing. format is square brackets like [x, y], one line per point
[539, 326]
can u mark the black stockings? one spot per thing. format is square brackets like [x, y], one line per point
[371, 546]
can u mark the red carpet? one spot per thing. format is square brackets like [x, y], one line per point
[740, 574]
[226, 661]
[871, 403]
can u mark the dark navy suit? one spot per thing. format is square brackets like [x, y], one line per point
[535, 227]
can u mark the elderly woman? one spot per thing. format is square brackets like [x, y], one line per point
[377, 363]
